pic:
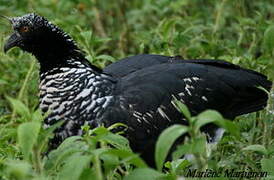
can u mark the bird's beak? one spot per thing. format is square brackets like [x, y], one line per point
[14, 40]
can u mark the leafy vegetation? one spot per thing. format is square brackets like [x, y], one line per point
[239, 31]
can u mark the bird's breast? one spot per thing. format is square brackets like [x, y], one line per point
[75, 96]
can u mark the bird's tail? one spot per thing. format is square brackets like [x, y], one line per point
[253, 95]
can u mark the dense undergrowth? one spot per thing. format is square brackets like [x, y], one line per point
[239, 31]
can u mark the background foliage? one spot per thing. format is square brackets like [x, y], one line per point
[239, 31]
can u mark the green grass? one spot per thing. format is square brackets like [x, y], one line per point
[239, 31]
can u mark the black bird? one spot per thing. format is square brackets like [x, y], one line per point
[136, 91]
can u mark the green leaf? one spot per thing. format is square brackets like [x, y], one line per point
[86, 174]
[145, 174]
[110, 162]
[20, 108]
[179, 165]
[69, 147]
[27, 137]
[182, 108]
[117, 125]
[181, 150]
[74, 167]
[104, 135]
[37, 116]
[206, 117]
[106, 57]
[127, 157]
[267, 165]
[270, 149]
[212, 116]
[46, 134]
[18, 169]
[165, 141]
[116, 140]
[268, 42]
[197, 146]
[86, 36]
[256, 148]
[166, 27]
[229, 126]
[99, 131]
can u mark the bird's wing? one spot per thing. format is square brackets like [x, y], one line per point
[131, 64]
[200, 85]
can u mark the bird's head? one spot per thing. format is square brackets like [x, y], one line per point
[35, 34]
[26, 31]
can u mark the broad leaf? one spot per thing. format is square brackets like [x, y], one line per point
[145, 174]
[207, 117]
[165, 141]
[127, 157]
[69, 147]
[196, 146]
[20, 108]
[229, 126]
[18, 169]
[27, 137]
[74, 167]
[256, 148]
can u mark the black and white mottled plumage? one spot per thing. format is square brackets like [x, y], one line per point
[75, 95]
[136, 91]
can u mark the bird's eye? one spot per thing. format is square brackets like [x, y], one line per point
[24, 29]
